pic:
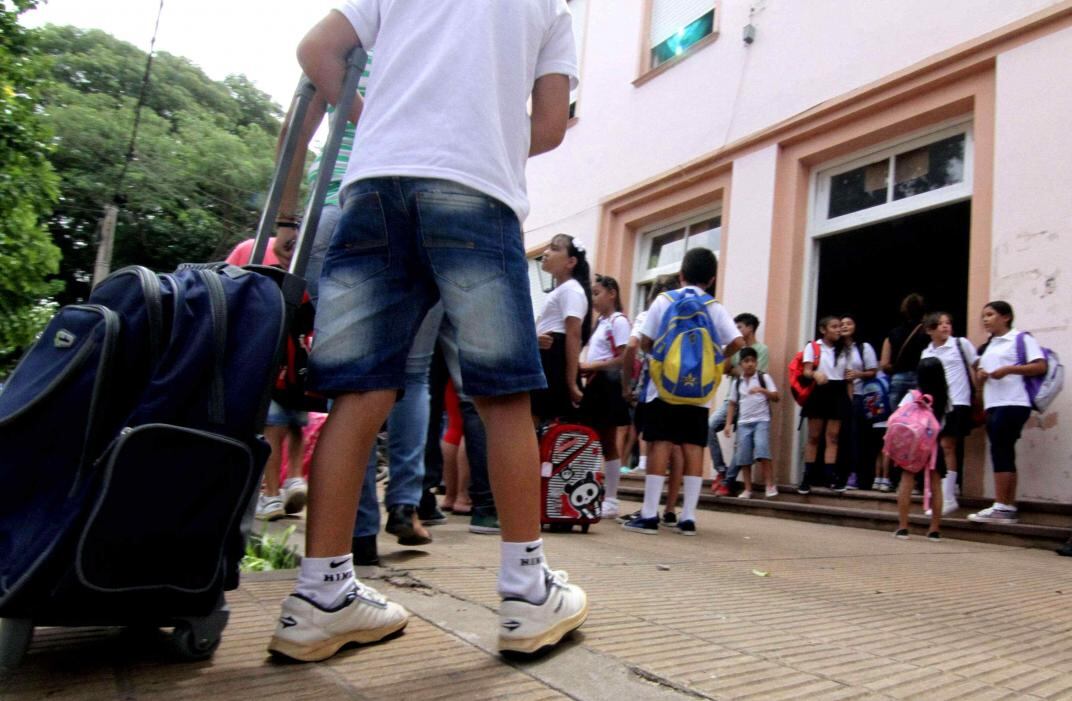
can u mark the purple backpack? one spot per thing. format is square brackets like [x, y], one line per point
[1041, 389]
[912, 434]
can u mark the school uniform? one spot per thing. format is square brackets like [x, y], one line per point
[603, 404]
[681, 423]
[831, 400]
[1007, 404]
[857, 449]
[753, 418]
[565, 301]
[957, 355]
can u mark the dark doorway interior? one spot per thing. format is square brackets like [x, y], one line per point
[867, 272]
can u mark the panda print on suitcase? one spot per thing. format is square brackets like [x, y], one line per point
[571, 477]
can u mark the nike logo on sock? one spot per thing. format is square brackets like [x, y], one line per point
[337, 563]
[511, 625]
[531, 548]
[287, 621]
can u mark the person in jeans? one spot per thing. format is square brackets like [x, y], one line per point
[433, 201]
[1007, 403]
[751, 396]
[899, 358]
[726, 475]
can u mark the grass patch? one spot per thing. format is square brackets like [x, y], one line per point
[264, 553]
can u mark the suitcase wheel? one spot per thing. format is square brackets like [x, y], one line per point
[15, 637]
[196, 639]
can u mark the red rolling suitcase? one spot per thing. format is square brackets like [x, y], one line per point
[571, 477]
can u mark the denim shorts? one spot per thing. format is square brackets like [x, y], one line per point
[753, 443]
[278, 415]
[401, 245]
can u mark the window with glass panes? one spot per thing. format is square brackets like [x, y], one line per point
[919, 172]
[676, 25]
[662, 249]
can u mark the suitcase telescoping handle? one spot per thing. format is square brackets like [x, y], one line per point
[303, 96]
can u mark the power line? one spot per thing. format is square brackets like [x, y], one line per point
[141, 103]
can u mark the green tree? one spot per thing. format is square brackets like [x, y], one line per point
[203, 156]
[27, 190]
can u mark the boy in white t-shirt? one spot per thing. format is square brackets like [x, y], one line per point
[667, 425]
[433, 200]
[750, 399]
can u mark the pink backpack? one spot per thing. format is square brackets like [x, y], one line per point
[912, 434]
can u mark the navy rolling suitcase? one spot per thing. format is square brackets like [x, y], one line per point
[157, 381]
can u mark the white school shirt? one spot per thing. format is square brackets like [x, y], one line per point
[956, 377]
[448, 97]
[724, 327]
[638, 325]
[1009, 390]
[833, 366]
[567, 299]
[610, 334]
[870, 362]
[752, 408]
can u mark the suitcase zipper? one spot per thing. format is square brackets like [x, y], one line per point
[218, 299]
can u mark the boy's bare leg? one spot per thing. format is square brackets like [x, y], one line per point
[338, 469]
[295, 453]
[513, 464]
[746, 475]
[274, 435]
[677, 471]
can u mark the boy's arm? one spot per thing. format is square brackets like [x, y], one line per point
[550, 112]
[322, 54]
[734, 346]
[628, 356]
[731, 411]
[646, 343]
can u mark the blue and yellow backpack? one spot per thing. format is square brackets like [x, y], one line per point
[686, 358]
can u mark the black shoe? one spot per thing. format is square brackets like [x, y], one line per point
[934, 537]
[804, 488]
[1065, 550]
[400, 523]
[428, 512]
[669, 520]
[364, 548]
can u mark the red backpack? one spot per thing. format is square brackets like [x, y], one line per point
[799, 385]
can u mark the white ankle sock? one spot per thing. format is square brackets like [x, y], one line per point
[521, 574]
[642, 463]
[612, 472]
[326, 580]
[653, 493]
[692, 497]
[949, 486]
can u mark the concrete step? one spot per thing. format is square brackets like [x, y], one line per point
[1042, 525]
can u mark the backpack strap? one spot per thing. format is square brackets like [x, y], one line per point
[964, 360]
[1021, 348]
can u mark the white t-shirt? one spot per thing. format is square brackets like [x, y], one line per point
[833, 366]
[751, 408]
[1009, 390]
[448, 97]
[565, 300]
[724, 327]
[638, 325]
[870, 362]
[610, 334]
[956, 377]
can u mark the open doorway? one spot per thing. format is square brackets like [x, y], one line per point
[866, 272]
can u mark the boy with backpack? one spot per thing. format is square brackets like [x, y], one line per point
[429, 215]
[688, 335]
[749, 412]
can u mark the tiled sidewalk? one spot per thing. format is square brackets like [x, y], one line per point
[751, 608]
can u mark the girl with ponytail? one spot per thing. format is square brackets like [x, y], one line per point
[563, 327]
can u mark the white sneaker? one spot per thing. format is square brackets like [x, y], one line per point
[308, 633]
[295, 493]
[745, 494]
[527, 628]
[772, 491]
[269, 508]
[610, 509]
[994, 515]
[948, 507]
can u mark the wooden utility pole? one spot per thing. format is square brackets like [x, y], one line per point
[103, 266]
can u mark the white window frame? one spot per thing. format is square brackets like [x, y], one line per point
[823, 226]
[642, 275]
